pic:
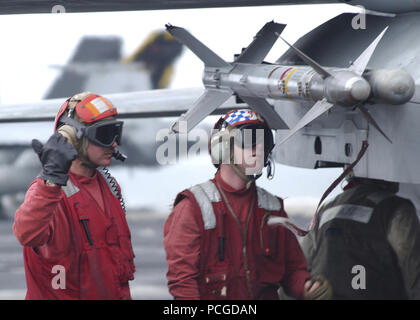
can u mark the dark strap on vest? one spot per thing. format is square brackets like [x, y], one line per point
[362, 151]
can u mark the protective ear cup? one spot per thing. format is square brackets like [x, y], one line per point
[220, 147]
[70, 134]
[80, 145]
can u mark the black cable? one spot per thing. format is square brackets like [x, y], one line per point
[113, 186]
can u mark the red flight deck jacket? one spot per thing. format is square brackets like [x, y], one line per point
[79, 229]
[212, 254]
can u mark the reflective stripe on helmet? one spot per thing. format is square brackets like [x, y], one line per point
[94, 108]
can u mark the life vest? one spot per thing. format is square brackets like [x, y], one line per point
[350, 245]
[262, 267]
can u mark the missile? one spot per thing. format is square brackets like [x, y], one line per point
[254, 81]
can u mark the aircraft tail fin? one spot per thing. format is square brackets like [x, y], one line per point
[91, 49]
[206, 55]
[158, 54]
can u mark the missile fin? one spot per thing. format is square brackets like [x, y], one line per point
[206, 55]
[262, 43]
[372, 121]
[317, 109]
[360, 64]
[267, 111]
[309, 61]
[205, 105]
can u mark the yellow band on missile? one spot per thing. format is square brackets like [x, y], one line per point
[287, 81]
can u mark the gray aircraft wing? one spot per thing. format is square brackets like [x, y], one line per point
[142, 104]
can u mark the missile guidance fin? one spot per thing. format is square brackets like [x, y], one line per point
[262, 43]
[209, 58]
[360, 64]
[372, 121]
[262, 107]
[317, 109]
[205, 105]
[309, 61]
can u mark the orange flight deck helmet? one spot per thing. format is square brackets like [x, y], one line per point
[88, 117]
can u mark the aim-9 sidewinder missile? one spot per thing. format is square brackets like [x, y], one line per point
[254, 81]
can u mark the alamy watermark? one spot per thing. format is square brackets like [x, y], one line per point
[358, 282]
[359, 20]
[59, 280]
[220, 143]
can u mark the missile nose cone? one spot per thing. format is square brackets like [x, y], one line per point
[360, 90]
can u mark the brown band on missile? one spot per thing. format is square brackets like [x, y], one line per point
[268, 82]
[281, 87]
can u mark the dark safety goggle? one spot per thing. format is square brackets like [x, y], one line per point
[102, 133]
[105, 133]
[249, 135]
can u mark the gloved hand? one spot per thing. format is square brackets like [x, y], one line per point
[56, 157]
[317, 288]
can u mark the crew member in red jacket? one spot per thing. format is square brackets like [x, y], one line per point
[218, 241]
[72, 223]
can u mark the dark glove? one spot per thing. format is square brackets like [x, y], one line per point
[56, 157]
[323, 292]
